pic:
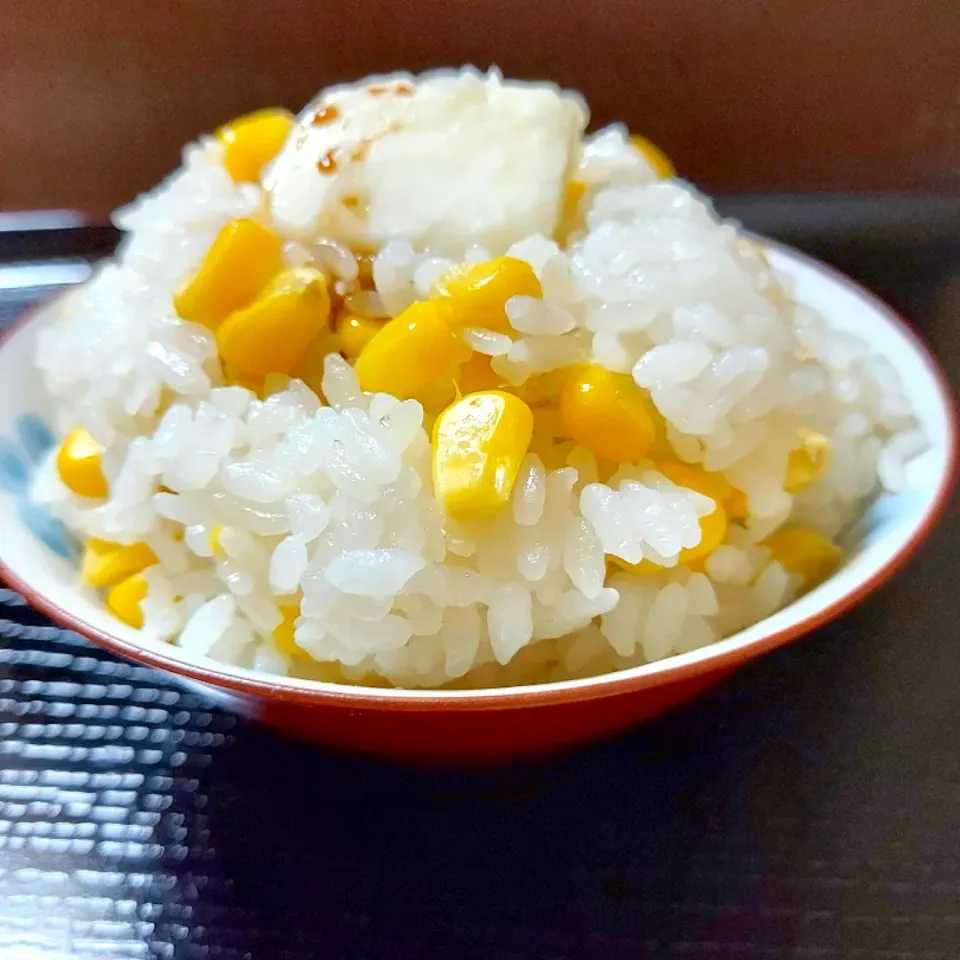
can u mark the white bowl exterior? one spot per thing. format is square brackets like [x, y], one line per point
[889, 525]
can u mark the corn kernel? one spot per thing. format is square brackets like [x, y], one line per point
[737, 505]
[235, 379]
[660, 448]
[125, 598]
[78, 463]
[437, 395]
[309, 367]
[477, 374]
[274, 383]
[476, 294]
[693, 477]
[356, 332]
[106, 564]
[607, 413]
[273, 333]
[237, 266]
[605, 470]
[325, 671]
[553, 454]
[549, 442]
[478, 444]
[713, 528]
[572, 195]
[412, 351]
[547, 423]
[213, 539]
[544, 388]
[661, 163]
[103, 546]
[283, 634]
[252, 141]
[807, 462]
[804, 551]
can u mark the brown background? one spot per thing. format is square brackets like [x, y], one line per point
[97, 95]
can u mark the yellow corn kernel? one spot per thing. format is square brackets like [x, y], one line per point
[78, 463]
[605, 470]
[607, 413]
[713, 528]
[106, 564]
[553, 454]
[549, 442]
[737, 505]
[237, 266]
[693, 477]
[356, 332]
[547, 423]
[807, 462]
[283, 634]
[309, 368]
[125, 598]
[476, 294]
[250, 142]
[477, 374]
[572, 195]
[436, 396]
[804, 551]
[412, 351]
[661, 163]
[104, 546]
[478, 444]
[252, 384]
[660, 448]
[546, 418]
[311, 669]
[544, 388]
[213, 539]
[275, 383]
[273, 333]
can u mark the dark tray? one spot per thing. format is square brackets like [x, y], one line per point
[808, 809]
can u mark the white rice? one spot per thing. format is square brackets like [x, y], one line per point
[331, 507]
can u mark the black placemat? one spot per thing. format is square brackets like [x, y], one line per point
[809, 808]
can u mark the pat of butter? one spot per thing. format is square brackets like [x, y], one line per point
[446, 161]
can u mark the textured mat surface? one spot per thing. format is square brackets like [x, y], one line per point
[809, 809]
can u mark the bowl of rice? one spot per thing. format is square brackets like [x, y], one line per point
[427, 423]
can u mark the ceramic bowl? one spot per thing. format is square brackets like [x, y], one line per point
[38, 558]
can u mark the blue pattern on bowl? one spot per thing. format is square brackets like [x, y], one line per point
[19, 457]
[14, 474]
